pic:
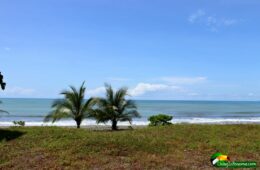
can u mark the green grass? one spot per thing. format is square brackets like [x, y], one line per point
[172, 147]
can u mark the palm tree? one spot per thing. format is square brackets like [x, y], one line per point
[115, 107]
[72, 106]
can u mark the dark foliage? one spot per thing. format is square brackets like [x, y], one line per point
[9, 134]
[160, 119]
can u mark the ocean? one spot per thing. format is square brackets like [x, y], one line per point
[33, 111]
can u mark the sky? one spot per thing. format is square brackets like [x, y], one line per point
[159, 49]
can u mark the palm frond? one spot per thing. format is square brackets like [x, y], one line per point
[87, 108]
[133, 113]
[57, 102]
[121, 94]
[128, 104]
[3, 111]
[101, 116]
[55, 116]
[119, 98]
[109, 94]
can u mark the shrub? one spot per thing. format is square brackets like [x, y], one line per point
[19, 123]
[160, 119]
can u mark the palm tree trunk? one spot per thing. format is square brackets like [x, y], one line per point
[78, 123]
[114, 125]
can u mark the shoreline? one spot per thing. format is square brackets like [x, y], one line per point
[125, 127]
[7, 122]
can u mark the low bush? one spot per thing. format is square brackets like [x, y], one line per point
[160, 119]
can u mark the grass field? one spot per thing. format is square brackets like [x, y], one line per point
[172, 147]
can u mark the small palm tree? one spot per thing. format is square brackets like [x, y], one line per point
[72, 106]
[115, 107]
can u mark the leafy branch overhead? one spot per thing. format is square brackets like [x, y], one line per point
[2, 83]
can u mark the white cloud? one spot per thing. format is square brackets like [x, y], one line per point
[96, 92]
[138, 90]
[18, 91]
[210, 21]
[184, 80]
[169, 85]
[143, 88]
[196, 16]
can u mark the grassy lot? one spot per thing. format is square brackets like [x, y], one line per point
[173, 147]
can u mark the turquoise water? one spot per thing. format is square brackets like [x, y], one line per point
[33, 111]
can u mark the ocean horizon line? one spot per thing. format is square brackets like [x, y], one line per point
[181, 100]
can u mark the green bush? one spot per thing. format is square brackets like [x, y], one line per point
[160, 119]
[19, 123]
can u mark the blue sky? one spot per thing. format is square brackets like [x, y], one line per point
[160, 49]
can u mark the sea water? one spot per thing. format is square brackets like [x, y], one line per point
[33, 111]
